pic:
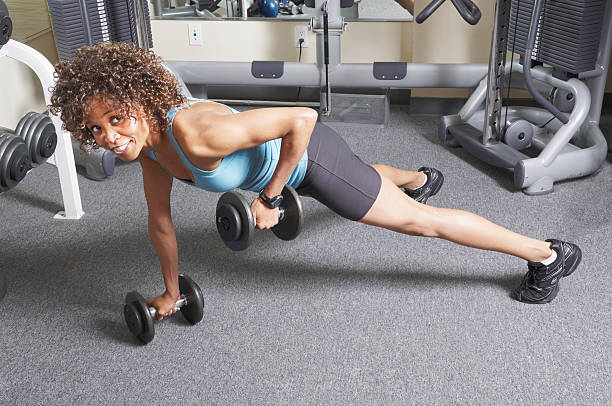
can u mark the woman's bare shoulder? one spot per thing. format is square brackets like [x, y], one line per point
[193, 127]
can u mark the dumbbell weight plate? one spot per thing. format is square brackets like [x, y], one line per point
[518, 133]
[43, 138]
[291, 225]
[38, 132]
[22, 125]
[24, 129]
[138, 318]
[194, 310]
[19, 167]
[235, 221]
[48, 141]
[14, 160]
[6, 29]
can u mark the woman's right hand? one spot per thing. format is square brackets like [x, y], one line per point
[165, 304]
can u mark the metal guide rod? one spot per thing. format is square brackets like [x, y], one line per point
[327, 108]
[85, 19]
[142, 37]
[497, 59]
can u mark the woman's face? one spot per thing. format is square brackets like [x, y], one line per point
[125, 136]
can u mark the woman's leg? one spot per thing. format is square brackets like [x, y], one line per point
[400, 177]
[396, 211]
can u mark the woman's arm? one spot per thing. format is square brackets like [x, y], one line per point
[228, 133]
[407, 4]
[157, 187]
[220, 135]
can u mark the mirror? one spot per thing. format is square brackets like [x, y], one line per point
[387, 10]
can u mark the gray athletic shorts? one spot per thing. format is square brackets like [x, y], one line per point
[338, 178]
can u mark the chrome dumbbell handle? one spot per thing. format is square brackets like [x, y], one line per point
[179, 303]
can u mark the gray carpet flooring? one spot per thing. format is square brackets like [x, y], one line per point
[346, 314]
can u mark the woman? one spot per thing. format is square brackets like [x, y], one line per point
[121, 98]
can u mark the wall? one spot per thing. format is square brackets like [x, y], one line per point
[225, 41]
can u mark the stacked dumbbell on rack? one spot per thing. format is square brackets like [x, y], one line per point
[31, 143]
[33, 140]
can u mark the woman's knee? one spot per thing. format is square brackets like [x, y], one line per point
[397, 212]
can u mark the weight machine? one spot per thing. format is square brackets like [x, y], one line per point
[564, 49]
[328, 25]
[523, 127]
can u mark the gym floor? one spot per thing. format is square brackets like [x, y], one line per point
[346, 314]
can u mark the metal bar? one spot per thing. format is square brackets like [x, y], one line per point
[344, 75]
[497, 58]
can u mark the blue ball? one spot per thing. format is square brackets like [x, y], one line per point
[268, 8]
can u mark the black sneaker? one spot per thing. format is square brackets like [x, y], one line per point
[432, 185]
[541, 283]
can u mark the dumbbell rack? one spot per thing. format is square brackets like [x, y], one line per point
[63, 158]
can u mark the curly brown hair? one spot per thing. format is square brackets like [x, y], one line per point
[120, 73]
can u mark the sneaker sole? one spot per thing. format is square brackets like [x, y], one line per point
[545, 300]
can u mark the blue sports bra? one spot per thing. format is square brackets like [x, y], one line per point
[247, 169]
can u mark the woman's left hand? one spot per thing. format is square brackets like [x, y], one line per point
[264, 216]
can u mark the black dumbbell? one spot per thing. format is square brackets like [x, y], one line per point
[236, 225]
[6, 25]
[14, 160]
[38, 133]
[139, 317]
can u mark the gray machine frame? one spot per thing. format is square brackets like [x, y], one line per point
[567, 150]
[347, 75]
[558, 160]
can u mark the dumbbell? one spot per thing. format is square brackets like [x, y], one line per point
[236, 225]
[14, 160]
[38, 133]
[6, 25]
[98, 164]
[139, 317]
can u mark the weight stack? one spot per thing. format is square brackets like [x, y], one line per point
[109, 20]
[567, 36]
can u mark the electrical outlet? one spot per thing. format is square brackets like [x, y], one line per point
[195, 34]
[301, 32]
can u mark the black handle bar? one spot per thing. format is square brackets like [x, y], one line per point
[468, 10]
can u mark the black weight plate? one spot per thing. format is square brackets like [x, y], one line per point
[5, 181]
[148, 328]
[291, 224]
[44, 138]
[48, 141]
[32, 135]
[244, 211]
[6, 29]
[133, 318]
[14, 160]
[19, 165]
[229, 223]
[193, 311]
[20, 130]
